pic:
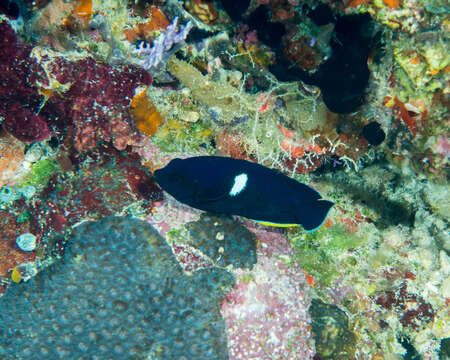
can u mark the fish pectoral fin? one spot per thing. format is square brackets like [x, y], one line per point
[313, 214]
[210, 195]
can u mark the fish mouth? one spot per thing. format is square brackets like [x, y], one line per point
[156, 174]
[158, 178]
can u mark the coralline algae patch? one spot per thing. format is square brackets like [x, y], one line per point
[171, 214]
[266, 313]
[118, 293]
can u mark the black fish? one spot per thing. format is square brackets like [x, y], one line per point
[237, 187]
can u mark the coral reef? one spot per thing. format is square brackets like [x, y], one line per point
[145, 306]
[99, 189]
[66, 198]
[10, 255]
[155, 20]
[225, 102]
[19, 100]
[40, 173]
[78, 92]
[350, 96]
[203, 10]
[145, 115]
[24, 124]
[381, 261]
[98, 111]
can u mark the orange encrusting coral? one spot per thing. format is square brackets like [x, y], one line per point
[401, 110]
[415, 60]
[299, 149]
[145, 115]
[84, 9]
[393, 4]
[156, 21]
[356, 3]
[309, 278]
[11, 156]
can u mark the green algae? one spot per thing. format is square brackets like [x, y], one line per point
[40, 172]
[23, 217]
[317, 251]
[177, 135]
[341, 239]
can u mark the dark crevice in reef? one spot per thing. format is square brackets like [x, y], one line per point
[390, 211]
[411, 352]
[269, 33]
[344, 76]
[235, 9]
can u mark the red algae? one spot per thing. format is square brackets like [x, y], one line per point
[95, 100]
[412, 309]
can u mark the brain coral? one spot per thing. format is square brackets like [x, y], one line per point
[118, 293]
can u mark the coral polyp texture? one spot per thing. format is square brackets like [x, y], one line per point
[118, 293]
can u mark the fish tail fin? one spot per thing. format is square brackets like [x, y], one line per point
[315, 214]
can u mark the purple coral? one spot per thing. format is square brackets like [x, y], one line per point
[24, 124]
[94, 98]
[153, 58]
[19, 100]
[98, 101]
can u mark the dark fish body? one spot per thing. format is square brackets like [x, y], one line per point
[238, 187]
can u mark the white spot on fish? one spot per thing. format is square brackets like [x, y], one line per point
[240, 182]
